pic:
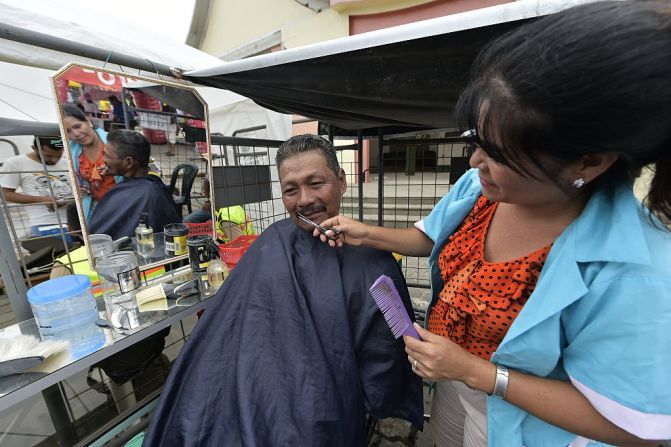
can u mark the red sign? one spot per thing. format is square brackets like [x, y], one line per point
[107, 81]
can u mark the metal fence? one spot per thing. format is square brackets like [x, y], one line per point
[394, 187]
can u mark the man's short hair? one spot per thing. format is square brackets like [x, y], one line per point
[54, 142]
[308, 142]
[129, 143]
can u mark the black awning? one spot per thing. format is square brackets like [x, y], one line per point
[408, 85]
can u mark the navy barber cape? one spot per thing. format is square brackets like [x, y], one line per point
[118, 212]
[292, 351]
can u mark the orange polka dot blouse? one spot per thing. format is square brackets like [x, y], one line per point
[480, 300]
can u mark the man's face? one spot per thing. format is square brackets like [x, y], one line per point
[310, 187]
[50, 156]
[115, 165]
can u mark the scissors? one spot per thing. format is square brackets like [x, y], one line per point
[321, 229]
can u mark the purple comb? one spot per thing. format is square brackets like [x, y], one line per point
[389, 301]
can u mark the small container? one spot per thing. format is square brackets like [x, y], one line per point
[144, 236]
[65, 309]
[101, 245]
[200, 252]
[175, 239]
[217, 272]
[119, 273]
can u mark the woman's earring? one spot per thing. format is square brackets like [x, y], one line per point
[578, 183]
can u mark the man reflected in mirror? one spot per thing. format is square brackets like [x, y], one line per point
[24, 180]
[127, 154]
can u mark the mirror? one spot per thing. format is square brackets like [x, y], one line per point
[138, 153]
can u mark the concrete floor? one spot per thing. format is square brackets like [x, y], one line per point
[398, 433]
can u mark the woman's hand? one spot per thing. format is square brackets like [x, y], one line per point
[350, 231]
[439, 358]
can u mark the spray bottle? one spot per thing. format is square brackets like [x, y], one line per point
[144, 235]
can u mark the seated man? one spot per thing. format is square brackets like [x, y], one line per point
[205, 212]
[24, 180]
[118, 212]
[292, 350]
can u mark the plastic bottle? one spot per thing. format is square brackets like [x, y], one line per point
[144, 235]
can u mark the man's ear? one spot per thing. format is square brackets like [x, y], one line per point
[129, 163]
[342, 178]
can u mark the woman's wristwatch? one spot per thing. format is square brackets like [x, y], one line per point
[501, 383]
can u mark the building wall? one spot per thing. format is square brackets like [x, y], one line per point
[326, 25]
[234, 23]
[364, 21]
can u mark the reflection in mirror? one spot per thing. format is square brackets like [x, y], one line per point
[138, 152]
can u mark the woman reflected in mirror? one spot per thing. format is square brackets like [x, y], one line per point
[87, 146]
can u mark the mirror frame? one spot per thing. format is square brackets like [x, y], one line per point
[71, 170]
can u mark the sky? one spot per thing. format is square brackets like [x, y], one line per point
[171, 18]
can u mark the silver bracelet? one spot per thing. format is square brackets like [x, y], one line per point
[501, 383]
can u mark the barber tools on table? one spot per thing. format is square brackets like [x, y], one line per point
[120, 276]
[23, 352]
[204, 262]
[157, 297]
[20, 355]
[144, 235]
[175, 239]
[390, 303]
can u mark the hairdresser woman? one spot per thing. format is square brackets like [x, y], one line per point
[87, 144]
[551, 308]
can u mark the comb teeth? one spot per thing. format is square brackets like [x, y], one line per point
[390, 303]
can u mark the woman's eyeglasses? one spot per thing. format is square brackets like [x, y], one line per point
[473, 142]
[470, 137]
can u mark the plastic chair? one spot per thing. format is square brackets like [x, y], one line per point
[188, 177]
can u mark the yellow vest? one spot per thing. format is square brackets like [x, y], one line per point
[232, 222]
[78, 263]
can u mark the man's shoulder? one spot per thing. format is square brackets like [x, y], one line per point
[16, 160]
[61, 164]
[149, 181]
[367, 253]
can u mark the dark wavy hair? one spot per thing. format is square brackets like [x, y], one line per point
[308, 142]
[72, 110]
[590, 79]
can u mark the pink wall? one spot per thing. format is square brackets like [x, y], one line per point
[364, 23]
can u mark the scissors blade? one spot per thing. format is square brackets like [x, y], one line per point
[321, 229]
[307, 221]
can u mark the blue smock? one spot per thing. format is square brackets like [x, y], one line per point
[599, 316]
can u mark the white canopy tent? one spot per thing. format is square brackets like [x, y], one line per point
[76, 23]
[25, 70]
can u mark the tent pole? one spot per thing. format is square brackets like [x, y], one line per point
[361, 173]
[380, 178]
[16, 34]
